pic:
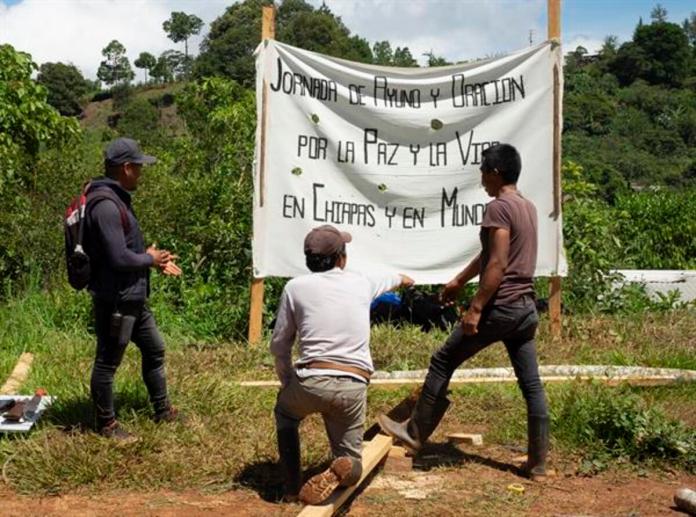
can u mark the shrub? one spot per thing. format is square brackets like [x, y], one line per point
[607, 424]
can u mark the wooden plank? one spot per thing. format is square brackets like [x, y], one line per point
[398, 461]
[19, 374]
[652, 380]
[373, 453]
[468, 438]
[256, 311]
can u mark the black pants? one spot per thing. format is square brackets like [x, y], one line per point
[514, 325]
[110, 352]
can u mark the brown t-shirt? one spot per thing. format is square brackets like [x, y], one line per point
[512, 212]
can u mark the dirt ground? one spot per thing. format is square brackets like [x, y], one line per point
[445, 481]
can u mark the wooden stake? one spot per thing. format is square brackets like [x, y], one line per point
[256, 297]
[554, 33]
[372, 455]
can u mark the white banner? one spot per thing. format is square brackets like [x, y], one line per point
[392, 155]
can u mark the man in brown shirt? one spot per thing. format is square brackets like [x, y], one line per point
[503, 309]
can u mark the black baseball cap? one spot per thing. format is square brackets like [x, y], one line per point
[126, 150]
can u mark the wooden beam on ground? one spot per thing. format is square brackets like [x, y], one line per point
[651, 380]
[18, 375]
[373, 453]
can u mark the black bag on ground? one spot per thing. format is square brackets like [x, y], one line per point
[425, 310]
[414, 306]
[77, 260]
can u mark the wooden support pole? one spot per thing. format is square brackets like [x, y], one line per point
[554, 33]
[256, 298]
[373, 453]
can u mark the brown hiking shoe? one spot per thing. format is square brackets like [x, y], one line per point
[171, 414]
[340, 473]
[114, 431]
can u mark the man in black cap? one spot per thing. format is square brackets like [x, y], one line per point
[120, 285]
[329, 312]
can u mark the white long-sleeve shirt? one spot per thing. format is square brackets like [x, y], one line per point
[330, 314]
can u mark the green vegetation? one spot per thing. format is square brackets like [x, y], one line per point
[225, 447]
[629, 183]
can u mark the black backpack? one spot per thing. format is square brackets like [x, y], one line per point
[426, 310]
[78, 263]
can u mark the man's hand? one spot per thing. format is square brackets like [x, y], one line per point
[449, 293]
[470, 321]
[170, 268]
[164, 261]
[160, 258]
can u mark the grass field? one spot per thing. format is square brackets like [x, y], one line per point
[228, 439]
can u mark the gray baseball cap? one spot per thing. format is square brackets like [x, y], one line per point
[325, 240]
[126, 150]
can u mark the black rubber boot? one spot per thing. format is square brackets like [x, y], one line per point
[289, 451]
[538, 446]
[414, 432]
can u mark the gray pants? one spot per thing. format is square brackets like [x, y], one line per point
[341, 401]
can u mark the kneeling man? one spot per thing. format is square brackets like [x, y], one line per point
[329, 311]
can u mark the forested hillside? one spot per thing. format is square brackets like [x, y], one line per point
[629, 154]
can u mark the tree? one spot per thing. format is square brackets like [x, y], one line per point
[181, 26]
[146, 61]
[659, 54]
[228, 48]
[65, 85]
[434, 60]
[403, 58]
[116, 67]
[27, 120]
[658, 14]
[162, 72]
[689, 26]
[177, 63]
[382, 53]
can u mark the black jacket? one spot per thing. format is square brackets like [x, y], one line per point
[120, 266]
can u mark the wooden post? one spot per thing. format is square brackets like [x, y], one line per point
[554, 32]
[256, 298]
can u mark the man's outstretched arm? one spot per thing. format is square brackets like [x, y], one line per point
[452, 288]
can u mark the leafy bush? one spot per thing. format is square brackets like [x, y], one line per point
[607, 424]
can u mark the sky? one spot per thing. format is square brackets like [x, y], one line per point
[75, 31]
